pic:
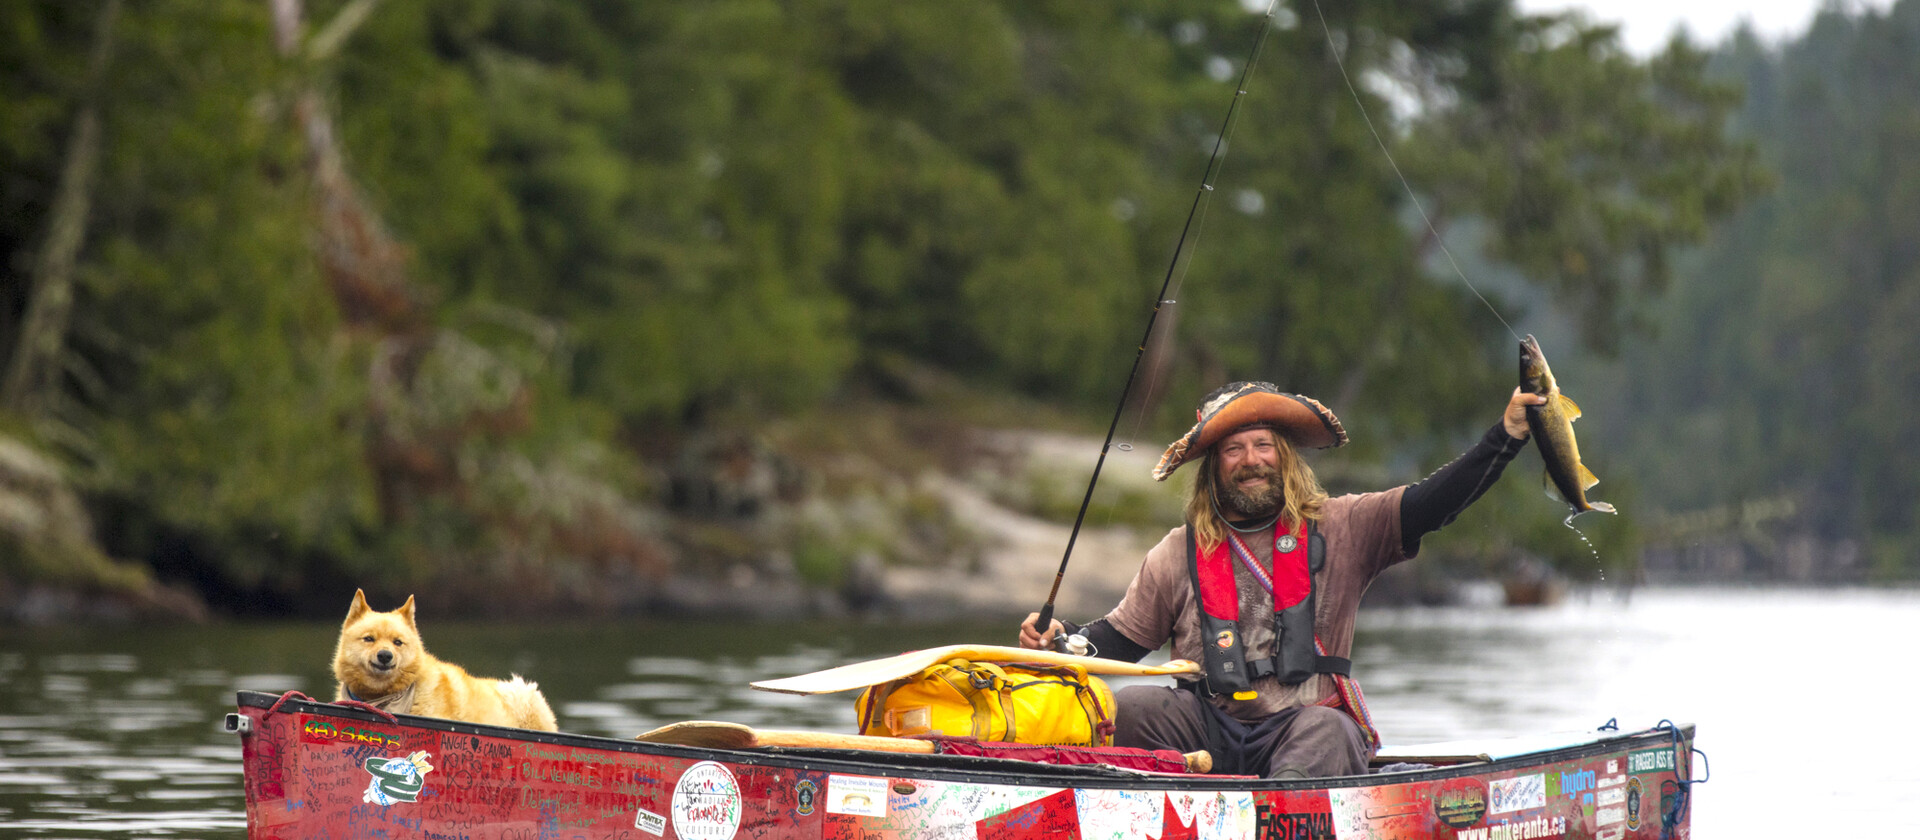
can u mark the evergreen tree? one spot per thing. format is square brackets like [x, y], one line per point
[1786, 358]
[389, 295]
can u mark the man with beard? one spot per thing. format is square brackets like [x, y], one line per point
[1263, 582]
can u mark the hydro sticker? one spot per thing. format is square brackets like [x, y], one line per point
[860, 796]
[396, 779]
[706, 803]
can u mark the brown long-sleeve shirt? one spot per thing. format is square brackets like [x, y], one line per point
[1362, 534]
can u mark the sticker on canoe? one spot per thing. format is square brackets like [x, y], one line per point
[396, 779]
[1520, 793]
[706, 803]
[1460, 803]
[1634, 802]
[650, 822]
[1656, 760]
[877, 671]
[860, 796]
[804, 792]
[315, 730]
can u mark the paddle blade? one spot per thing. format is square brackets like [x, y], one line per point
[877, 671]
[711, 734]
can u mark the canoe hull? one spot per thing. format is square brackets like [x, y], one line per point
[320, 770]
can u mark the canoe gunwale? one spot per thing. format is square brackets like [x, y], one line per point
[967, 769]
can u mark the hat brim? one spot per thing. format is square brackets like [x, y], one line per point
[1303, 421]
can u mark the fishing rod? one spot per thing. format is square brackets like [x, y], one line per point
[1214, 162]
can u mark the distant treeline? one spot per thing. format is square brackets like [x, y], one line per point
[433, 293]
[1785, 362]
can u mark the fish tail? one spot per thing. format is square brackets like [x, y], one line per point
[1602, 507]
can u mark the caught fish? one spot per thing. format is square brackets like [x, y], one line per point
[1567, 479]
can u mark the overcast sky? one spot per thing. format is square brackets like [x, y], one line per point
[1645, 24]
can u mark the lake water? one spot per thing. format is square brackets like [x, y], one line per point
[1801, 697]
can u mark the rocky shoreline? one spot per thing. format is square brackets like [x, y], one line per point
[57, 573]
[994, 525]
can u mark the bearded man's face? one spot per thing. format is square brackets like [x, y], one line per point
[1247, 473]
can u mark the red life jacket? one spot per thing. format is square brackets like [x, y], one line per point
[1297, 652]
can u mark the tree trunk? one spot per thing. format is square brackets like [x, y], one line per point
[33, 377]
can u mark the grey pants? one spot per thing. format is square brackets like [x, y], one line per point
[1300, 743]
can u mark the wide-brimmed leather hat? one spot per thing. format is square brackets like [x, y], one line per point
[1303, 421]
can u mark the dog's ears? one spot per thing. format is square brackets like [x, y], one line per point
[406, 611]
[359, 607]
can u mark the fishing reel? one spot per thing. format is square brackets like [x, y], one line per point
[1074, 643]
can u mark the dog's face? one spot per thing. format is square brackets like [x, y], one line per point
[378, 650]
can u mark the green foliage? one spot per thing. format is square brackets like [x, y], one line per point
[820, 561]
[227, 401]
[40, 72]
[619, 216]
[1591, 165]
[1785, 357]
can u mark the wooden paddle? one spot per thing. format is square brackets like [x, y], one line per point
[877, 671]
[721, 735]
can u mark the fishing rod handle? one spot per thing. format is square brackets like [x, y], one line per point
[1044, 620]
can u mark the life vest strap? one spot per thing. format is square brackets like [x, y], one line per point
[1321, 664]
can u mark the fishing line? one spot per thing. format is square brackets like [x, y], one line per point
[1360, 104]
[1340, 63]
[1190, 230]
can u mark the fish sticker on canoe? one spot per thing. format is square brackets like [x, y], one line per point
[1566, 478]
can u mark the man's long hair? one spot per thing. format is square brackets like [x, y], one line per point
[1302, 500]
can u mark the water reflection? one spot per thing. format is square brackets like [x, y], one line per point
[115, 733]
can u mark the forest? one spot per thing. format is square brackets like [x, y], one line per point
[593, 306]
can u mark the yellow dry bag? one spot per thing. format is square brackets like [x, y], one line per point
[1017, 703]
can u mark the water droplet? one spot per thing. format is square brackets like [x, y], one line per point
[1597, 565]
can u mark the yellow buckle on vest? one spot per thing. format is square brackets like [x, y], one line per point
[1245, 695]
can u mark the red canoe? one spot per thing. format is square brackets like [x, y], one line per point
[323, 770]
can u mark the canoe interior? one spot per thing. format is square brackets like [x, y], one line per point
[315, 769]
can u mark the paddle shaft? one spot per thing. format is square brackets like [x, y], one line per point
[1045, 620]
[1198, 761]
[832, 741]
[717, 735]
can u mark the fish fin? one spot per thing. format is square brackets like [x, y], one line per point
[1553, 492]
[1570, 408]
[1587, 479]
[1601, 507]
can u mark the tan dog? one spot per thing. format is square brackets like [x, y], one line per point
[380, 661]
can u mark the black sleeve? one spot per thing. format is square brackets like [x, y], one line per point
[1434, 501]
[1106, 642]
